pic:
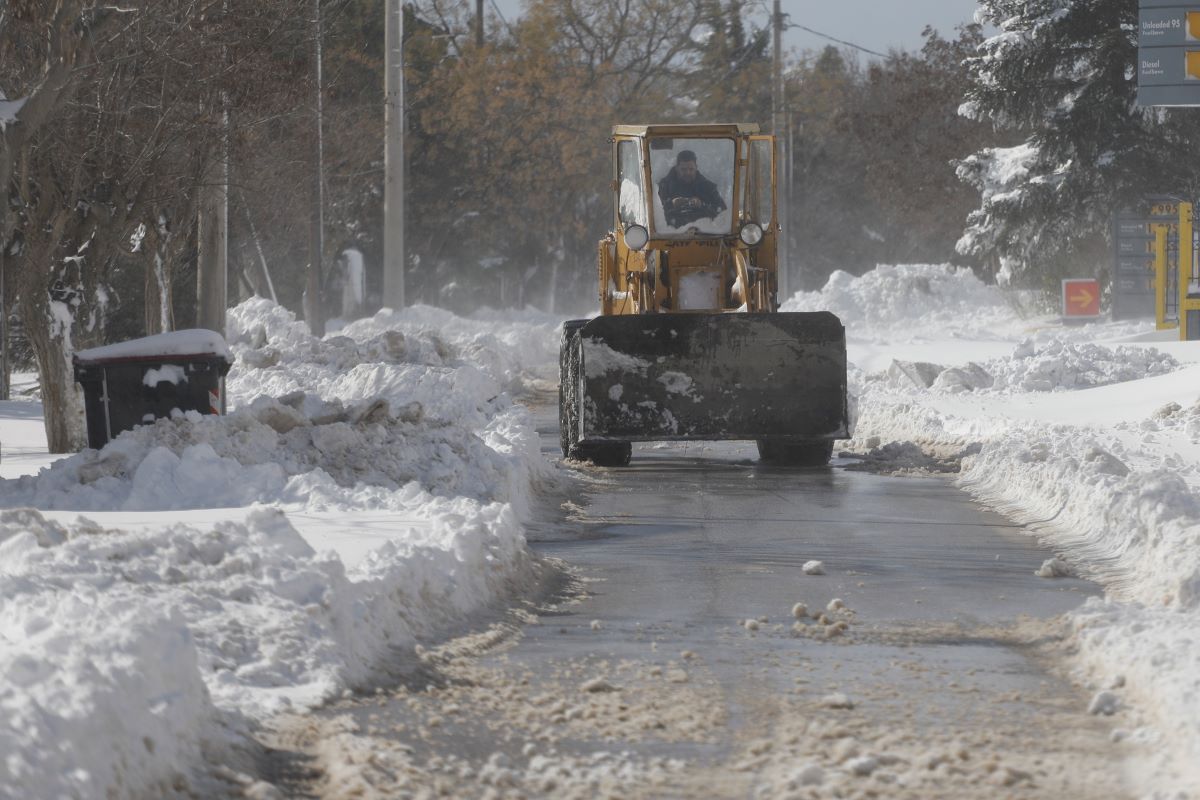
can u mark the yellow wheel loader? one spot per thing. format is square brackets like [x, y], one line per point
[689, 343]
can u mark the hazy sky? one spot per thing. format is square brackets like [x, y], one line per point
[874, 24]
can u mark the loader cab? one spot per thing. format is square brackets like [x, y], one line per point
[694, 226]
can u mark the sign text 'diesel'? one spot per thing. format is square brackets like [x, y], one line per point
[1168, 60]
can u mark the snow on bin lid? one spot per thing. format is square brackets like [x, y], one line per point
[195, 342]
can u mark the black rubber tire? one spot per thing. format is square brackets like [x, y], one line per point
[796, 454]
[568, 385]
[604, 454]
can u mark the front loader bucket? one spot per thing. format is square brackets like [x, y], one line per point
[711, 376]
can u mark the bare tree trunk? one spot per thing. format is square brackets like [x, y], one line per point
[48, 327]
[212, 240]
[159, 314]
[261, 278]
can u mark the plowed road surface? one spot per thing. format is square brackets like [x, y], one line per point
[664, 658]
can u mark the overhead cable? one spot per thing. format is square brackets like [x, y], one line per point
[839, 41]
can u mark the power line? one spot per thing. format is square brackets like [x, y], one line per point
[839, 41]
[500, 14]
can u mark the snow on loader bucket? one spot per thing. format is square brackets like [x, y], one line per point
[778, 379]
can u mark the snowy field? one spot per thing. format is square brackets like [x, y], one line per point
[368, 492]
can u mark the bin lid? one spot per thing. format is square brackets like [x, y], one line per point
[194, 343]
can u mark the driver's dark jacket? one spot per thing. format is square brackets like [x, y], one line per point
[673, 186]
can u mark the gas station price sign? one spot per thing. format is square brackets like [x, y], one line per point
[1168, 61]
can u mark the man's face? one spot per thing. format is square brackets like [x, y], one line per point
[687, 170]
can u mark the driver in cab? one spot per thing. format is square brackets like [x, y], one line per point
[686, 194]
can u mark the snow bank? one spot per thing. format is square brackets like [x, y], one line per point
[1054, 366]
[125, 655]
[299, 453]
[119, 648]
[100, 693]
[1109, 475]
[910, 300]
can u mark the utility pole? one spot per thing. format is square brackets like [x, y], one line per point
[789, 163]
[393, 158]
[316, 231]
[777, 128]
[212, 256]
[479, 23]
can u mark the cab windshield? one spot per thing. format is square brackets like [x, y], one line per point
[693, 186]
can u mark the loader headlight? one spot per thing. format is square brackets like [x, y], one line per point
[636, 237]
[751, 234]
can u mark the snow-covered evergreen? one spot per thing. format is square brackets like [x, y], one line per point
[1060, 75]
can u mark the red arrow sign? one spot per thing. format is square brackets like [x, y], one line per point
[1081, 297]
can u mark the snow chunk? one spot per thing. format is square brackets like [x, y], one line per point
[813, 568]
[807, 775]
[837, 700]
[862, 766]
[597, 685]
[1053, 568]
[919, 374]
[1104, 702]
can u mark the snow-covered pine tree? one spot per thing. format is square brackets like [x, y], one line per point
[1061, 74]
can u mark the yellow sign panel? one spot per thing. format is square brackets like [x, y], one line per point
[1193, 25]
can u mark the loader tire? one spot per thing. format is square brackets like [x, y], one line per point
[796, 454]
[568, 386]
[604, 454]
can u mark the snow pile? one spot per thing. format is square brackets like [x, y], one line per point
[300, 452]
[907, 301]
[99, 693]
[117, 645]
[1056, 365]
[1064, 365]
[1073, 439]
[334, 423]
[266, 620]
[421, 353]
[125, 655]
[1134, 529]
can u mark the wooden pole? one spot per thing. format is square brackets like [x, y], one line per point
[777, 129]
[393, 181]
[313, 311]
